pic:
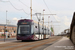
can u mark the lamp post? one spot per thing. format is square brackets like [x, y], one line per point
[6, 22]
[4, 33]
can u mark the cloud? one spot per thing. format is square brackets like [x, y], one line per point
[57, 18]
[66, 21]
[15, 19]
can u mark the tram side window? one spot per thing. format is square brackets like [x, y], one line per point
[31, 29]
[42, 28]
[45, 29]
[35, 26]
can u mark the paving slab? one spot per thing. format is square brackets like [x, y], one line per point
[63, 44]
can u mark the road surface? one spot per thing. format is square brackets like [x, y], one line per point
[29, 45]
[8, 39]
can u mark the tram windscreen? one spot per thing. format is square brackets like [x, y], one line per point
[23, 29]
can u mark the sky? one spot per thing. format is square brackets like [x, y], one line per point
[20, 9]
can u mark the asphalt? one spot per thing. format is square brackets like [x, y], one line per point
[7, 40]
[63, 44]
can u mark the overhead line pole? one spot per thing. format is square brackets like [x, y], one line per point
[48, 23]
[43, 20]
[53, 27]
[31, 9]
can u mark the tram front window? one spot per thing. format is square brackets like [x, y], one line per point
[23, 29]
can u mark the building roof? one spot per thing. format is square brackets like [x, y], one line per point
[8, 25]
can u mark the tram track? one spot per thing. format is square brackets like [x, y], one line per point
[24, 45]
[27, 45]
[40, 44]
[10, 44]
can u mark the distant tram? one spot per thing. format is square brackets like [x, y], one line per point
[28, 30]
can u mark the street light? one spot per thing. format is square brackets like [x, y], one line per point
[5, 26]
[6, 22]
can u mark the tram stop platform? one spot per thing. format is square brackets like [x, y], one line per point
[63, 44]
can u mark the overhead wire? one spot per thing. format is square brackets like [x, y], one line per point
[16, 8]
[24, 4]
[19, 9]
[46, 5]
[27, 6]
[48, 8]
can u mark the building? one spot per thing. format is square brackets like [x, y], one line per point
[10, 29]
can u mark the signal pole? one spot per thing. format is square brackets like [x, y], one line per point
[31, 9]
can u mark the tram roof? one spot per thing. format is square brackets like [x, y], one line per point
[26, 20]
[31, 21]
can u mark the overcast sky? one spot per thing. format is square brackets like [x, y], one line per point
[63, 9]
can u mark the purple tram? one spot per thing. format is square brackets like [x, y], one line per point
[28, 30]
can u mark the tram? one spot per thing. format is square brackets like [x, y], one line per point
[28, 30]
